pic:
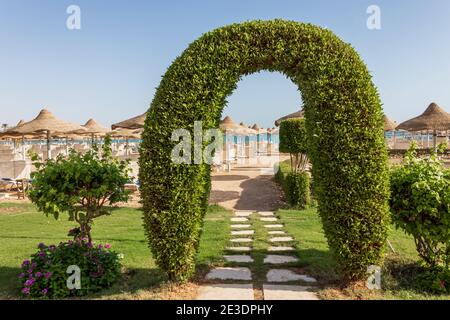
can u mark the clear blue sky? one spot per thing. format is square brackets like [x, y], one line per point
[109, 69]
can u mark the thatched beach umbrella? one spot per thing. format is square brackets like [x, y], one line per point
[296, 115]
[433, 119]
[133, 123]
[389, 125]
[227, 124]
[47, 123]
[93, 128]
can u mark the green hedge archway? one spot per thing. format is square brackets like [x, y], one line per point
[343, 121]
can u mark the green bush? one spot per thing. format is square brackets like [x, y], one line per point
[293, 136]
[420, 205]
[344, 127]
[293, 140]
[81, 185]
[45, 274]
[295, 185]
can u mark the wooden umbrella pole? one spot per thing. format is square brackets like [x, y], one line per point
[49, 151]
[434, 139]
[23, 147]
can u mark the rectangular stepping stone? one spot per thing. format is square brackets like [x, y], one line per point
[288, 292]
[281, 248]
[281, 239]
[268, 219]
[226, 292]
[240, 226]
[238, 258]
[242, 232]
[243, 213]
[241, 240]
[279, 259]
[266, 213]
[239, 248]
[286, 275]
[239, 219]
[224, 273]
[276, 232]
[273, 226]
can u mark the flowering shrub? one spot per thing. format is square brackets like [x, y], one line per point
[420, 205]
[45, 274]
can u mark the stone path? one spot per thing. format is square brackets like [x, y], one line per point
[238, 281]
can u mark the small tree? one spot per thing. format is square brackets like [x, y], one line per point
[86, 186]
[420, 205]
[293, 141]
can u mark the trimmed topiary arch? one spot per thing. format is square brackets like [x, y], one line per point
[344, 125]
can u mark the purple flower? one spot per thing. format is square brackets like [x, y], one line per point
[89, 245]
[52, 247]
[42, 254]
[41, 245]
[48, 275]
[26, 290]
[25, 262]
[30, 282]
[107, 246]
[44, 291]
[21, 275]
[30, 271]
[38, 274]
[34, 265]
[100, 246]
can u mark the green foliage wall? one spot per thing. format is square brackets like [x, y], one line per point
[293, 138]
[296, 186]
[344, 126]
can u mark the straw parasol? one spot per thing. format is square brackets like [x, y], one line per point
[296, 115]
[48, 123]
[227, 124]
[94, 127]
[389, 125]
[133, 123]
[433, 119]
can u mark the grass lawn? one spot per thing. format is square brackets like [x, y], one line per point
[22, 228]
[397, 276]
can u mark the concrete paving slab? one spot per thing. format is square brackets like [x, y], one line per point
[241, 258]
[241, 240]
[280, 248]
[273, 226]
[242, 232]
[279, 259]
[224, 273]
[281, 239]
[239, 219]
[286, 275]
[288, 292]
[226, 292]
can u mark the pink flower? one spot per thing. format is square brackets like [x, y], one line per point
[47, 275]
[26, 290]
[44, 291]
[100, 246]
[38, 274]
[107, 246]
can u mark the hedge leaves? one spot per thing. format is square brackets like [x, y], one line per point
[344, 126]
